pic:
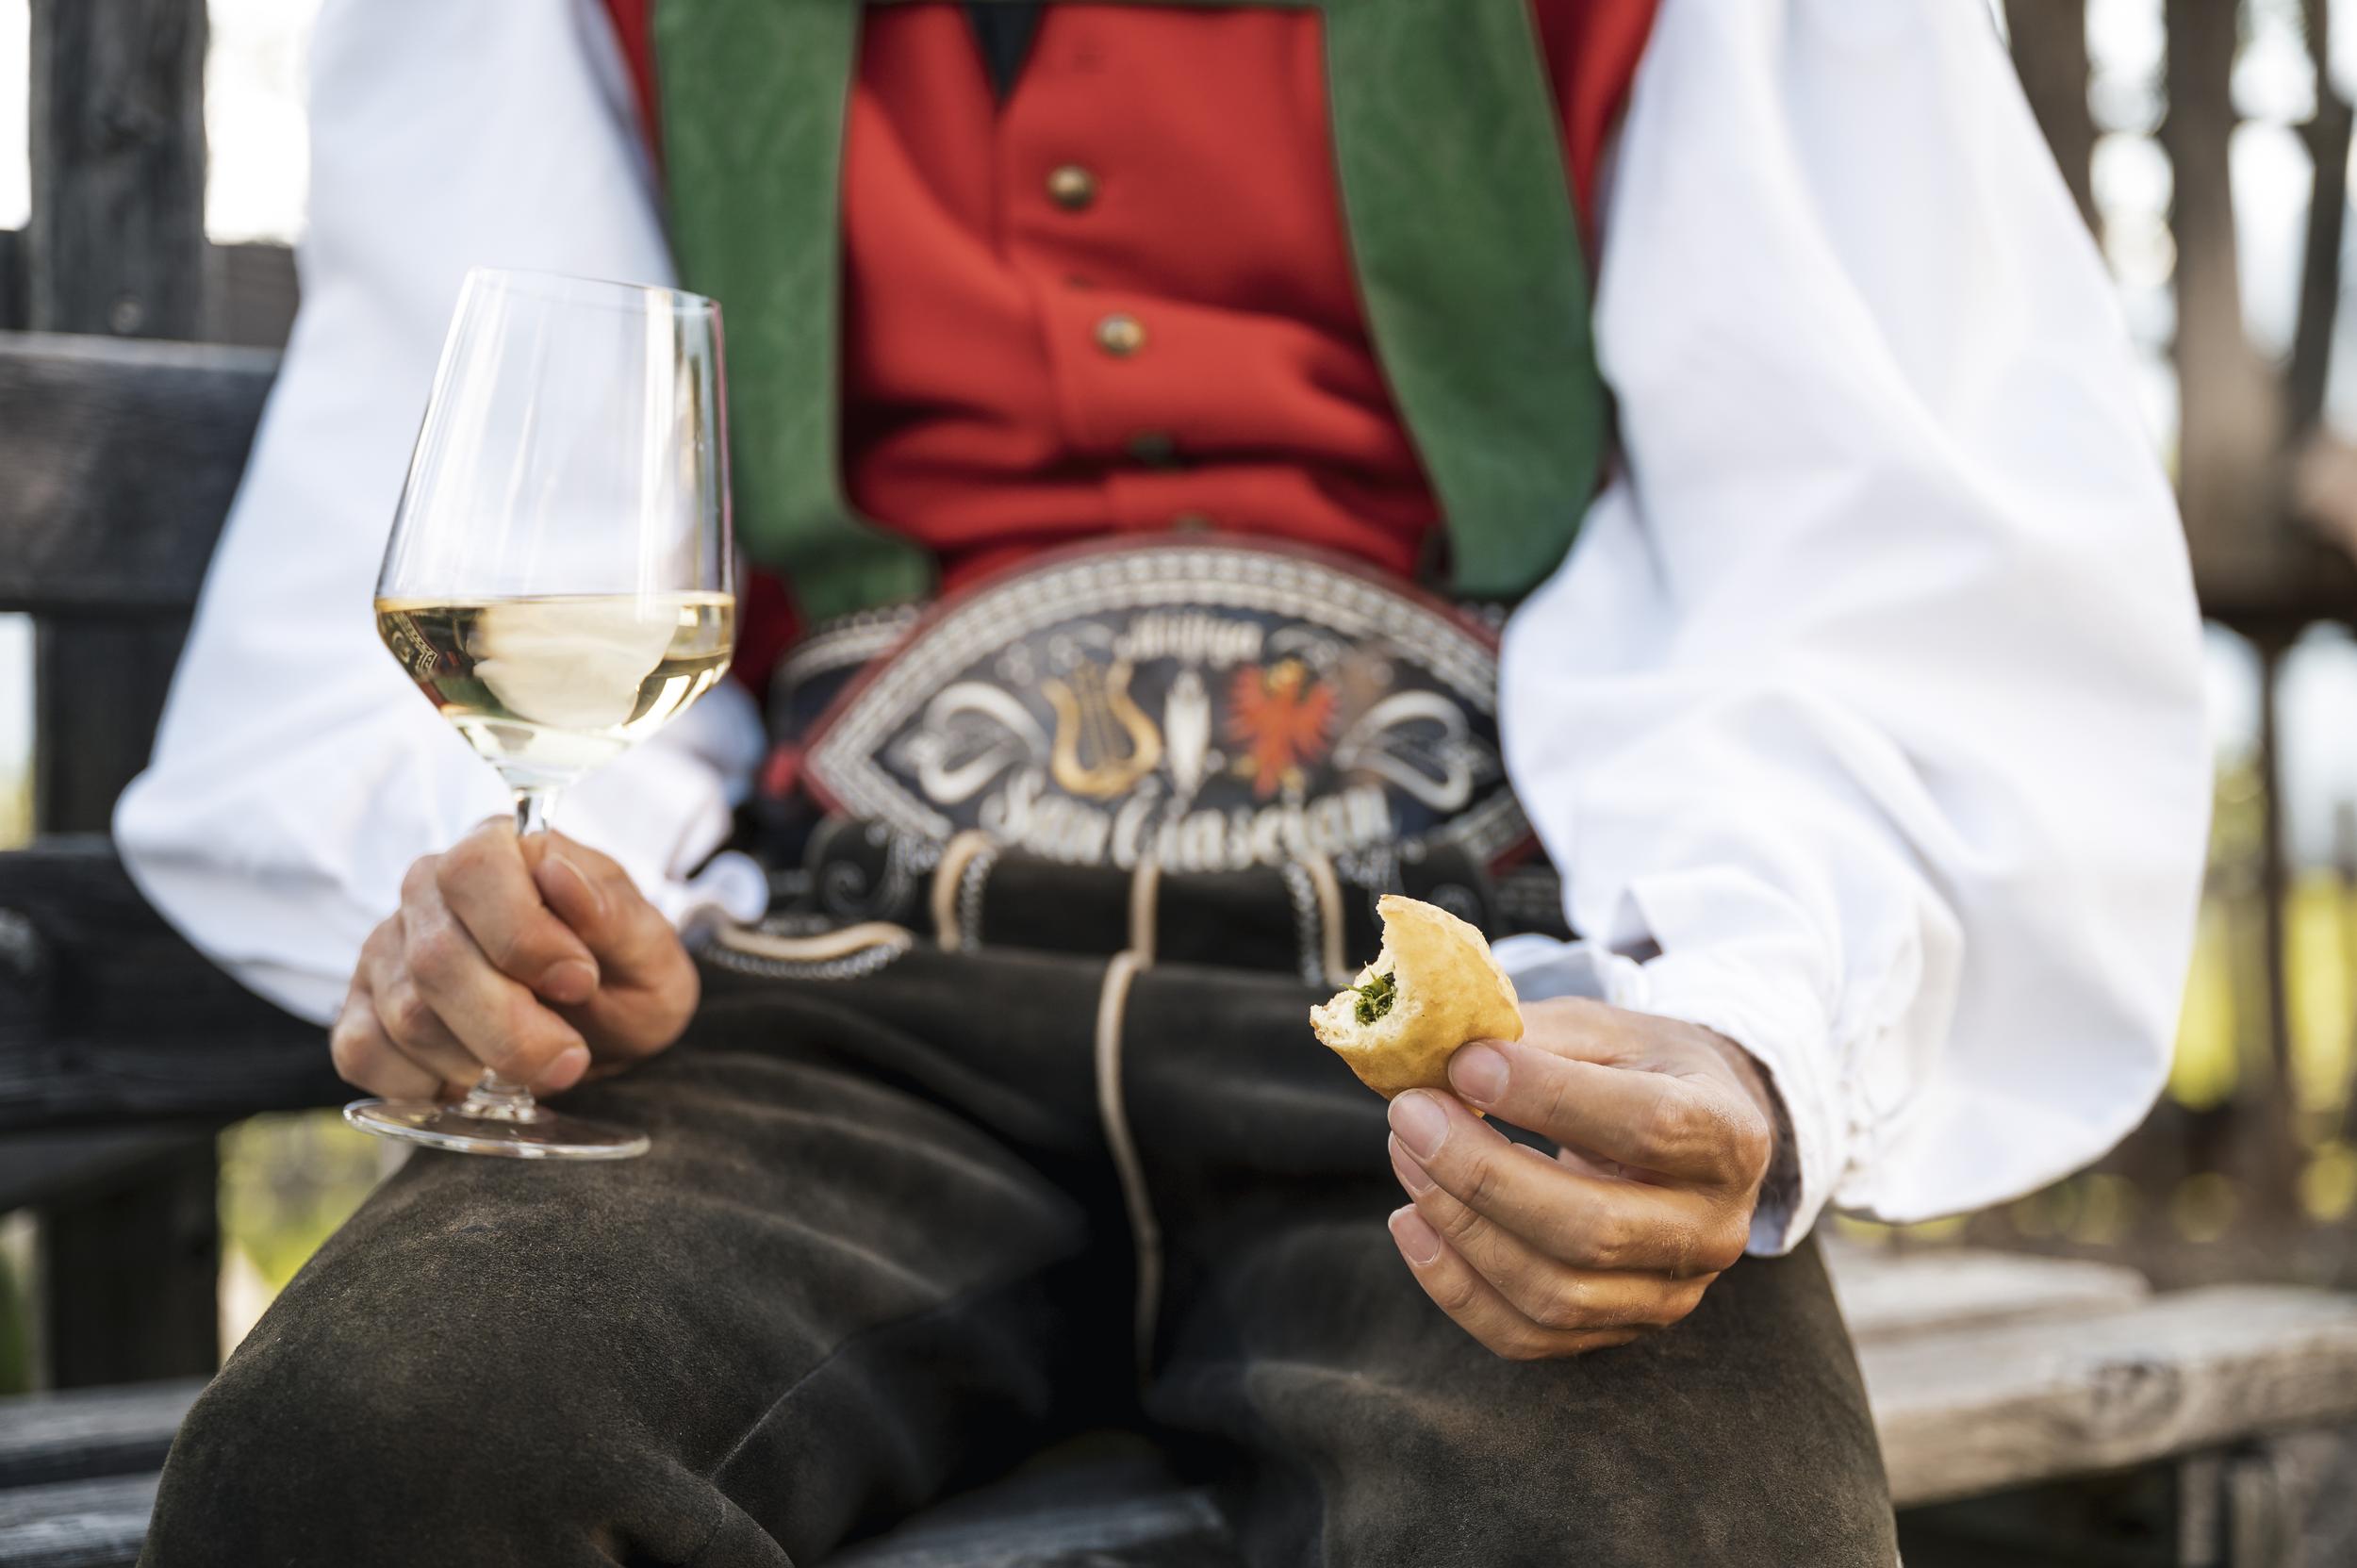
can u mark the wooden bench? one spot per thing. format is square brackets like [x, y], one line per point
[2207, 1428]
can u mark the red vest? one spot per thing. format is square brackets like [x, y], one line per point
[1170, 159]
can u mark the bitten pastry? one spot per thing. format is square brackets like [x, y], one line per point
[1433, 987]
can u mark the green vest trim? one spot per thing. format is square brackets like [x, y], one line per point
[1461, 224]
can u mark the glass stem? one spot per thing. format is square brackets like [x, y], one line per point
[495, 1098]
[533, 806]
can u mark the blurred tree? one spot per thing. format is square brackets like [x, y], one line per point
[2050, 53]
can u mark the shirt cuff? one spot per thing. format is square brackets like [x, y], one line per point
[1784, 1029]
[731, 889]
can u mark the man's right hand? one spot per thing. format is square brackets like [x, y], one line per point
[538, 958]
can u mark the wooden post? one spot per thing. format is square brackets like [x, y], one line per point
[12, 280]
[2049, 53]
[118, 151]
[2345, 926]
[116, 245]
[132, 1271]
[2266, 1155]
[2230, 423]
[2327, 135]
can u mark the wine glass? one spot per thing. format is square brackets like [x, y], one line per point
[560, 579]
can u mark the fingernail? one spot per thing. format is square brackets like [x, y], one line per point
[1418, 1241]
[1411, 1175]
[585, 891]
[1478, 1073]
[1420, 1122]
[568, 979]
[564, 1072]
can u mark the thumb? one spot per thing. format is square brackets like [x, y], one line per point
[569, 883]
[568, 887]
[628, 935]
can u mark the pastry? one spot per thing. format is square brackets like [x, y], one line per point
[1433, 987]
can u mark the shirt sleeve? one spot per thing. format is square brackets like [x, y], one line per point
[1865, 719]
[297, 773]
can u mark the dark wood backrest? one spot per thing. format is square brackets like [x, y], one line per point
[117, 462]
[115, 466]
[116, 469]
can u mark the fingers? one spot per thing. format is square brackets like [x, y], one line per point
[1548, 1291]
[1583, 1221]
[467, 974]
[648, 986]
[404, 1016]
[594, 897]
[484, 881]
[501, 1025]
[1478, 1307]
[1533, 1258]
[366, 1057]
[1665, 1132]
[1579, 1161]
[364, 1050]
[1688, 1129]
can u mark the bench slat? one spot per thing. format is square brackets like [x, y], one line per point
[106, 1014]
[1884, 1295]
[1974, 1409]
[105, 1431]
[95, 1524]
[118, 460]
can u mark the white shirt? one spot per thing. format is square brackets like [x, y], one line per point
[1865, 717]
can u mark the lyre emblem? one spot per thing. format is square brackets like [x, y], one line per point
[1094, 718]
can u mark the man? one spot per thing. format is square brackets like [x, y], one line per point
[1186, 361]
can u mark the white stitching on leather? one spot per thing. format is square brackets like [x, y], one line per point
[844, 954]
[1309, 953]
[1338, 969]
[972, 881]
[948, 882]
[1145, 887]
[1115, 1118]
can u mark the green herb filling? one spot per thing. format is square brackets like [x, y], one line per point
[1375, 998]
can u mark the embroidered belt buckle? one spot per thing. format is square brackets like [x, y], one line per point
[1209, 705]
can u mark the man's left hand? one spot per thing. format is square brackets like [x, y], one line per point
[1666, 1131]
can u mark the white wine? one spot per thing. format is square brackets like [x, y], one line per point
[548, 686]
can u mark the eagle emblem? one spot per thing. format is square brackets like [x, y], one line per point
[1278, 719]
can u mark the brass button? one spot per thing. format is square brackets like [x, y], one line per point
[1121, 335]
[1155, 449]
[1193, 522]
[1071, 187]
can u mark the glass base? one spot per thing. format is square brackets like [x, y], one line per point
[538, 1134]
